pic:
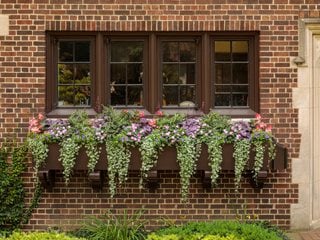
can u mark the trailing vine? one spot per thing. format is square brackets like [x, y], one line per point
[241, 157]
[188, 152]
[39, 149]
[259, 149]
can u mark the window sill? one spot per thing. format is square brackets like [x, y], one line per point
[66, 112]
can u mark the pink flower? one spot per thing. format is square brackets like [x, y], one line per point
[269, 128]
[159, 113]
[141, 114]
[258, 117]
[40, 116]
[35, 129]
[152, 122]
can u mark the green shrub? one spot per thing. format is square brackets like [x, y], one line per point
[247, 231]
[112, 227]
[192, 237]
[39, 236]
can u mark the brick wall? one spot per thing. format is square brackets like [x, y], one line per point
[22, 95]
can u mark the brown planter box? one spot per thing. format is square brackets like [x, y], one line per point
[166, 161]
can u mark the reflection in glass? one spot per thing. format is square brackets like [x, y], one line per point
[65, 73]
[178, 73]
[74, 80]
[240, 73]
[170, 95]
[222, 73]
[170, 73]
[240, 99]
[240, 50]
[65, 51]
[82, 51]
[118, 95]
[125, 51]
[134, 73]
[118, 73]
[126, 73]
[222, 51]
[135, 95]
[222, 100]
[231, 76]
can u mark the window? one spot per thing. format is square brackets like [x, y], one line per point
[176, 72]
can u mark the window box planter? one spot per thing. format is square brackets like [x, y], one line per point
[166, 161]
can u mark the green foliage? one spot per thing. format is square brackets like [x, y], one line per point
[214, 126]
[197, 236]
[241, 156]
[37, 144]
[233, 229]
[113, 227]
[12, 208]
[188, 152]
[40, 236]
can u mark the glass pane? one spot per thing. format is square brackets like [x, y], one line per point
[65, 73]
[170, 73]
[187, 52]
[82, 74]
[222, 51]
[170, 51]
[240, 50]
[118, 73]
[187, 73]
[82, 95]
[240, 73]
[118, 95]
[240, 89]
[170, 95]
[65, 95]
[222, 100]
[82, 51]
[222, 88]
[125, 51]
[65, 51]
[222, 73]
[135, 95]
[134, 74]
[240, 100]
[187, 96]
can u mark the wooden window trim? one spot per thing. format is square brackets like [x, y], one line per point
[152, 88]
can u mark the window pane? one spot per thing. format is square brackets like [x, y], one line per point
[240, 100]
[240, 89]
[135, 95]
[222, 51]
[187, 52]
[82, 51]
[65, 51]
[240, 73]
[125, 51]
[170, 95]
[82, 95]
[65, 96]
[82, 74]
[170, 51]
[118, 95]
[240, 51]
[187, 96]
[65, 73]
[134, 73]
[222, 100]
[118, 73]
[170, 73]
[187, 73]
[223, 88]
[222, 73]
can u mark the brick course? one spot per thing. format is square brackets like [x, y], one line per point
[22, 95]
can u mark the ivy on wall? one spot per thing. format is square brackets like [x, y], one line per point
[13, 210]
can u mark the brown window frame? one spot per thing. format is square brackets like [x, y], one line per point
[152, 75]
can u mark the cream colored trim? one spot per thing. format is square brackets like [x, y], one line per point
[4, 25]
[306, 97]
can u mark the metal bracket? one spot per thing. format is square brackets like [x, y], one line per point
[96, 179]
[153, 180]
[47, 179]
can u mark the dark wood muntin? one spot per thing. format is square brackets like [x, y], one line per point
[166, 161]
